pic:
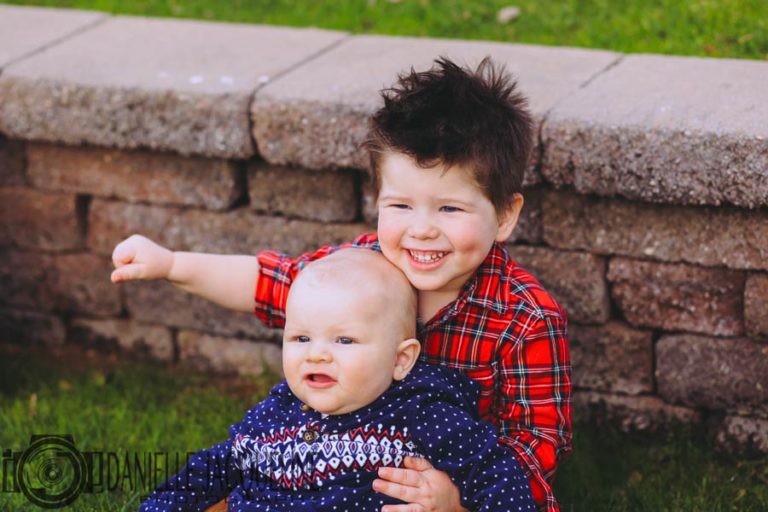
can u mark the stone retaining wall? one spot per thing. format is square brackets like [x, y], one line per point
[645, 206]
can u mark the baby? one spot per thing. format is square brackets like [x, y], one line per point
[354, 400]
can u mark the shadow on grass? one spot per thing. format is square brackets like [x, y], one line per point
[673, 470]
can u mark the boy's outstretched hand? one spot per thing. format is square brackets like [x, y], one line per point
[421, 486]
[138, 257]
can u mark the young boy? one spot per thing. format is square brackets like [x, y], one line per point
[448, 152]
[354, 401]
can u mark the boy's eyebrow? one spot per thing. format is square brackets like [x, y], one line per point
[442, 199]
[391, 197]
[453, 200]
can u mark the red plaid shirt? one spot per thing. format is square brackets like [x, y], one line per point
[504, 331]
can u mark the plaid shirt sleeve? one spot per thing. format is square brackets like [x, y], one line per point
[535, 409]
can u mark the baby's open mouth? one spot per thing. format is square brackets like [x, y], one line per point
[320, 378]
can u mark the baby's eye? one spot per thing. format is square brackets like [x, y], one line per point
[302, 339]
[450, 209]
[343, 340]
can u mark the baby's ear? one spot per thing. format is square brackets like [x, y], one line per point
[508, 218]
[407, 355]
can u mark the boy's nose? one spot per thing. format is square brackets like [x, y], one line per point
[422, 228]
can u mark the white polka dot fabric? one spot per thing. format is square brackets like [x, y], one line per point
[282, 458]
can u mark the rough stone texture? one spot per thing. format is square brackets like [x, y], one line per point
[239, 231]
[756, 306]
[316, 116]
[135, 176]
[38, 220]
[328, 196]
[576, 280]
[133, 82]
[612, 357]
[30, 328]
[22, 279]
[529, 225]
[704, 235]
[700, 139]
[66, 283]
[23, 30]
[228, 355]
[678, 297]
[631, 413]
[80, 283]
[161, 303]
[12, 163]
[153, 341]
[737, 435]
[721, 374]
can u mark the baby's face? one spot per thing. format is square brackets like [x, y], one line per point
[339, 346]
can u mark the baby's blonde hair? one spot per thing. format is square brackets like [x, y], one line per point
[371, 273]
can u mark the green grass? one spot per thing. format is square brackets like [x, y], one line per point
[717, 28]
[135, 408]
[123, 408]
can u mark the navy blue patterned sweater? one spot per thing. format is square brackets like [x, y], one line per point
[284, 457]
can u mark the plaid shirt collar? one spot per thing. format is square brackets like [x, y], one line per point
[486, 288]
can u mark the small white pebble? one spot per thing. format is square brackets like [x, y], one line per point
[507, 14]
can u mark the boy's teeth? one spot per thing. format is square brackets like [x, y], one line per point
[426, 257]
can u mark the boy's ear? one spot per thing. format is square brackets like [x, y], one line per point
[508, 218]
[407, 355]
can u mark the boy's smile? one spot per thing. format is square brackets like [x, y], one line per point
[437, 226]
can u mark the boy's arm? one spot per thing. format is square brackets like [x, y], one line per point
[534, 416]
[227, 280]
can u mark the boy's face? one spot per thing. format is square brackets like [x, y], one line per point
[436, 224]
[340, 345]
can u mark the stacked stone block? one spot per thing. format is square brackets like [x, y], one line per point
[645, 206]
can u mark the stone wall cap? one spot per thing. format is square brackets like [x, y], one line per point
[130, 82]
[357, 69]
[658, 92]
[679, 130]
[24, 30]
[315, 116]
[180, 55]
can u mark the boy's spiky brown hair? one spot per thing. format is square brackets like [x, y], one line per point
[451, 115]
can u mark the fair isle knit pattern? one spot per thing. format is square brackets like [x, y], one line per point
[284, 457]
[287, 460]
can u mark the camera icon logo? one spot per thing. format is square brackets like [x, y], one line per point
[51, 472]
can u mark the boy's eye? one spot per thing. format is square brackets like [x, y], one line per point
[450, 209]
[399, 206]
[343, 340]
[302, 339]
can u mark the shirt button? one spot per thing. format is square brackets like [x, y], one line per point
[309, 436]
[305, 408]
